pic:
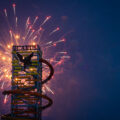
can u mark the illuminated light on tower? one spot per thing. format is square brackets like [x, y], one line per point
[26, 91]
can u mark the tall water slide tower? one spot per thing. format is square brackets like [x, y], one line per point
[26, 91]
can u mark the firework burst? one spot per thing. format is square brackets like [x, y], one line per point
[31, 36]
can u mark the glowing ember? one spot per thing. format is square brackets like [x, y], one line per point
[14, 5]
[48, 17]
[34, 43]
[17, 37]
[3, 58]
[5, 99]
[9, 46]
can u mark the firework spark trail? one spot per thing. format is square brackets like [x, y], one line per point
[16, 18]
[62, 55]
[40, 29]
[31, 33]
[62, 58]
[39, 33]
[63, 52]
[7, 53]
[11, 35]
[3, 46]
[49, 89]
[55, 30]
[35, 20]
[49, 46]
[27, 23]
[43, 90]
[16, 37]
[65, 57]
[2, 86]
[48, 43]
[62, 40]
[35, 37]
[47, 18]
[29, 29]
[5, 11]
[16, 21]
[6, 17]
[59, 63]
[1, 77]
[55, 43]
[53, 61]
[5, 99]
[14, 9]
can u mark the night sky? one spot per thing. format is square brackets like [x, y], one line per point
[89, 88]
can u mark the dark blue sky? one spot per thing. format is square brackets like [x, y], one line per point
[91, 82]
